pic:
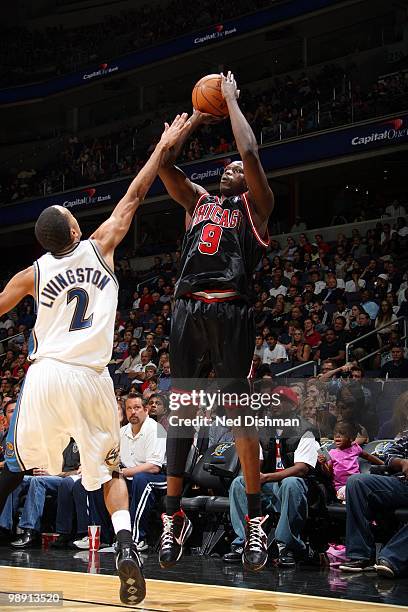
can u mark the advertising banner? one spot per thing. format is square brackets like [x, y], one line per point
[278, 156]
[150, 55]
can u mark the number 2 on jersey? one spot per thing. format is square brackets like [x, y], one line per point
[210, 239]
[82, 300]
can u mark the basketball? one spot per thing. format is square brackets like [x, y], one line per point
[207, 96]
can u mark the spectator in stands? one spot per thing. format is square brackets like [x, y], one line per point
[150, 344]
[300, 351]
[277, 316]
[261, 315]
[370, 273]
[365, 345]
[397, 367]
[331, 293]
[355, 311]
[40, 485]
[311, 336]
[342, 311]
[356, 283]
[164, 382]
[321, 244]
[394, 339]
[348, 412]
[343, 461]
[292, 457]
[260, 346]
[291, 248]
[331, 348]
[139, 373]
[142, 455]
[158, 409]
[368, 305]
[339, 326]
[397, 426]
[147, 319]
[318, 284]
[393, 275]
[402, 227]
[278, 287]
[122, 378]
[385, 316]
[367, 496]
[275, 351]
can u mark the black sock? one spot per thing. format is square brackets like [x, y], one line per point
[254, 504]
[173, 504]
[124, 537]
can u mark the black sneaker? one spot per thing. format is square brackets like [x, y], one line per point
[384, 568]
[129, 566]
[235, 556]
[63, 541]
[286, 558]
[27, 539]
[359, 565]
[176, 529]
[255, 553]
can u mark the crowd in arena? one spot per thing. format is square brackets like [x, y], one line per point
[288, 107]
[57, 50]
[312, 298]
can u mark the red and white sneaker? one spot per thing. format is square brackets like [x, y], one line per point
[255, 553]
[176, 529]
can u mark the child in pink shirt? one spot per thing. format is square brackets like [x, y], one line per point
[343, 460]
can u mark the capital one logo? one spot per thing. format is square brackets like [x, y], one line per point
[391, 130]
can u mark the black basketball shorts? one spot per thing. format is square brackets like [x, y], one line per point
[216, 335]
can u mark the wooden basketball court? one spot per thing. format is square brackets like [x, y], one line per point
[91, 593]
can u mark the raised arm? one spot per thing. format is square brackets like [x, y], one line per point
[177, 185]
[114, 229]
[17, 288]
[260, 193]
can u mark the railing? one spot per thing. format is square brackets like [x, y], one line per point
[375, 331]
[298, 367]
[318, 115]
[8, 340]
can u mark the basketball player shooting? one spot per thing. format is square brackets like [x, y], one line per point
[68, 391]
[212, 320]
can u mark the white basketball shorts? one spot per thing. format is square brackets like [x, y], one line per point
[59, 401]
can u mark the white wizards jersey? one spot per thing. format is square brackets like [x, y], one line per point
[76, 297]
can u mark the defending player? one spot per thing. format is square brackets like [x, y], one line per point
[68, 391]
[212, 321]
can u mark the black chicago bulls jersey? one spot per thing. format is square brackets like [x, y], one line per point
[221, 248]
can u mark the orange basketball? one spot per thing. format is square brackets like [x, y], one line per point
[207, 96]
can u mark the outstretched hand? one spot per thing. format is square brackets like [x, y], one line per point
[229, 88]
[206, 118]
[172, 133]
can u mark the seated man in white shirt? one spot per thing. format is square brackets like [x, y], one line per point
[138, 373]
[292, 458]
[142, 456]
[276, 352]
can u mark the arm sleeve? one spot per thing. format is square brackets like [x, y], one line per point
[307, 450]
[397, 450]
[156, 446]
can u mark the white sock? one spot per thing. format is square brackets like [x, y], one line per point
[121, 520]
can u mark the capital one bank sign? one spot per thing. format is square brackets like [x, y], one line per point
[391, 130]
